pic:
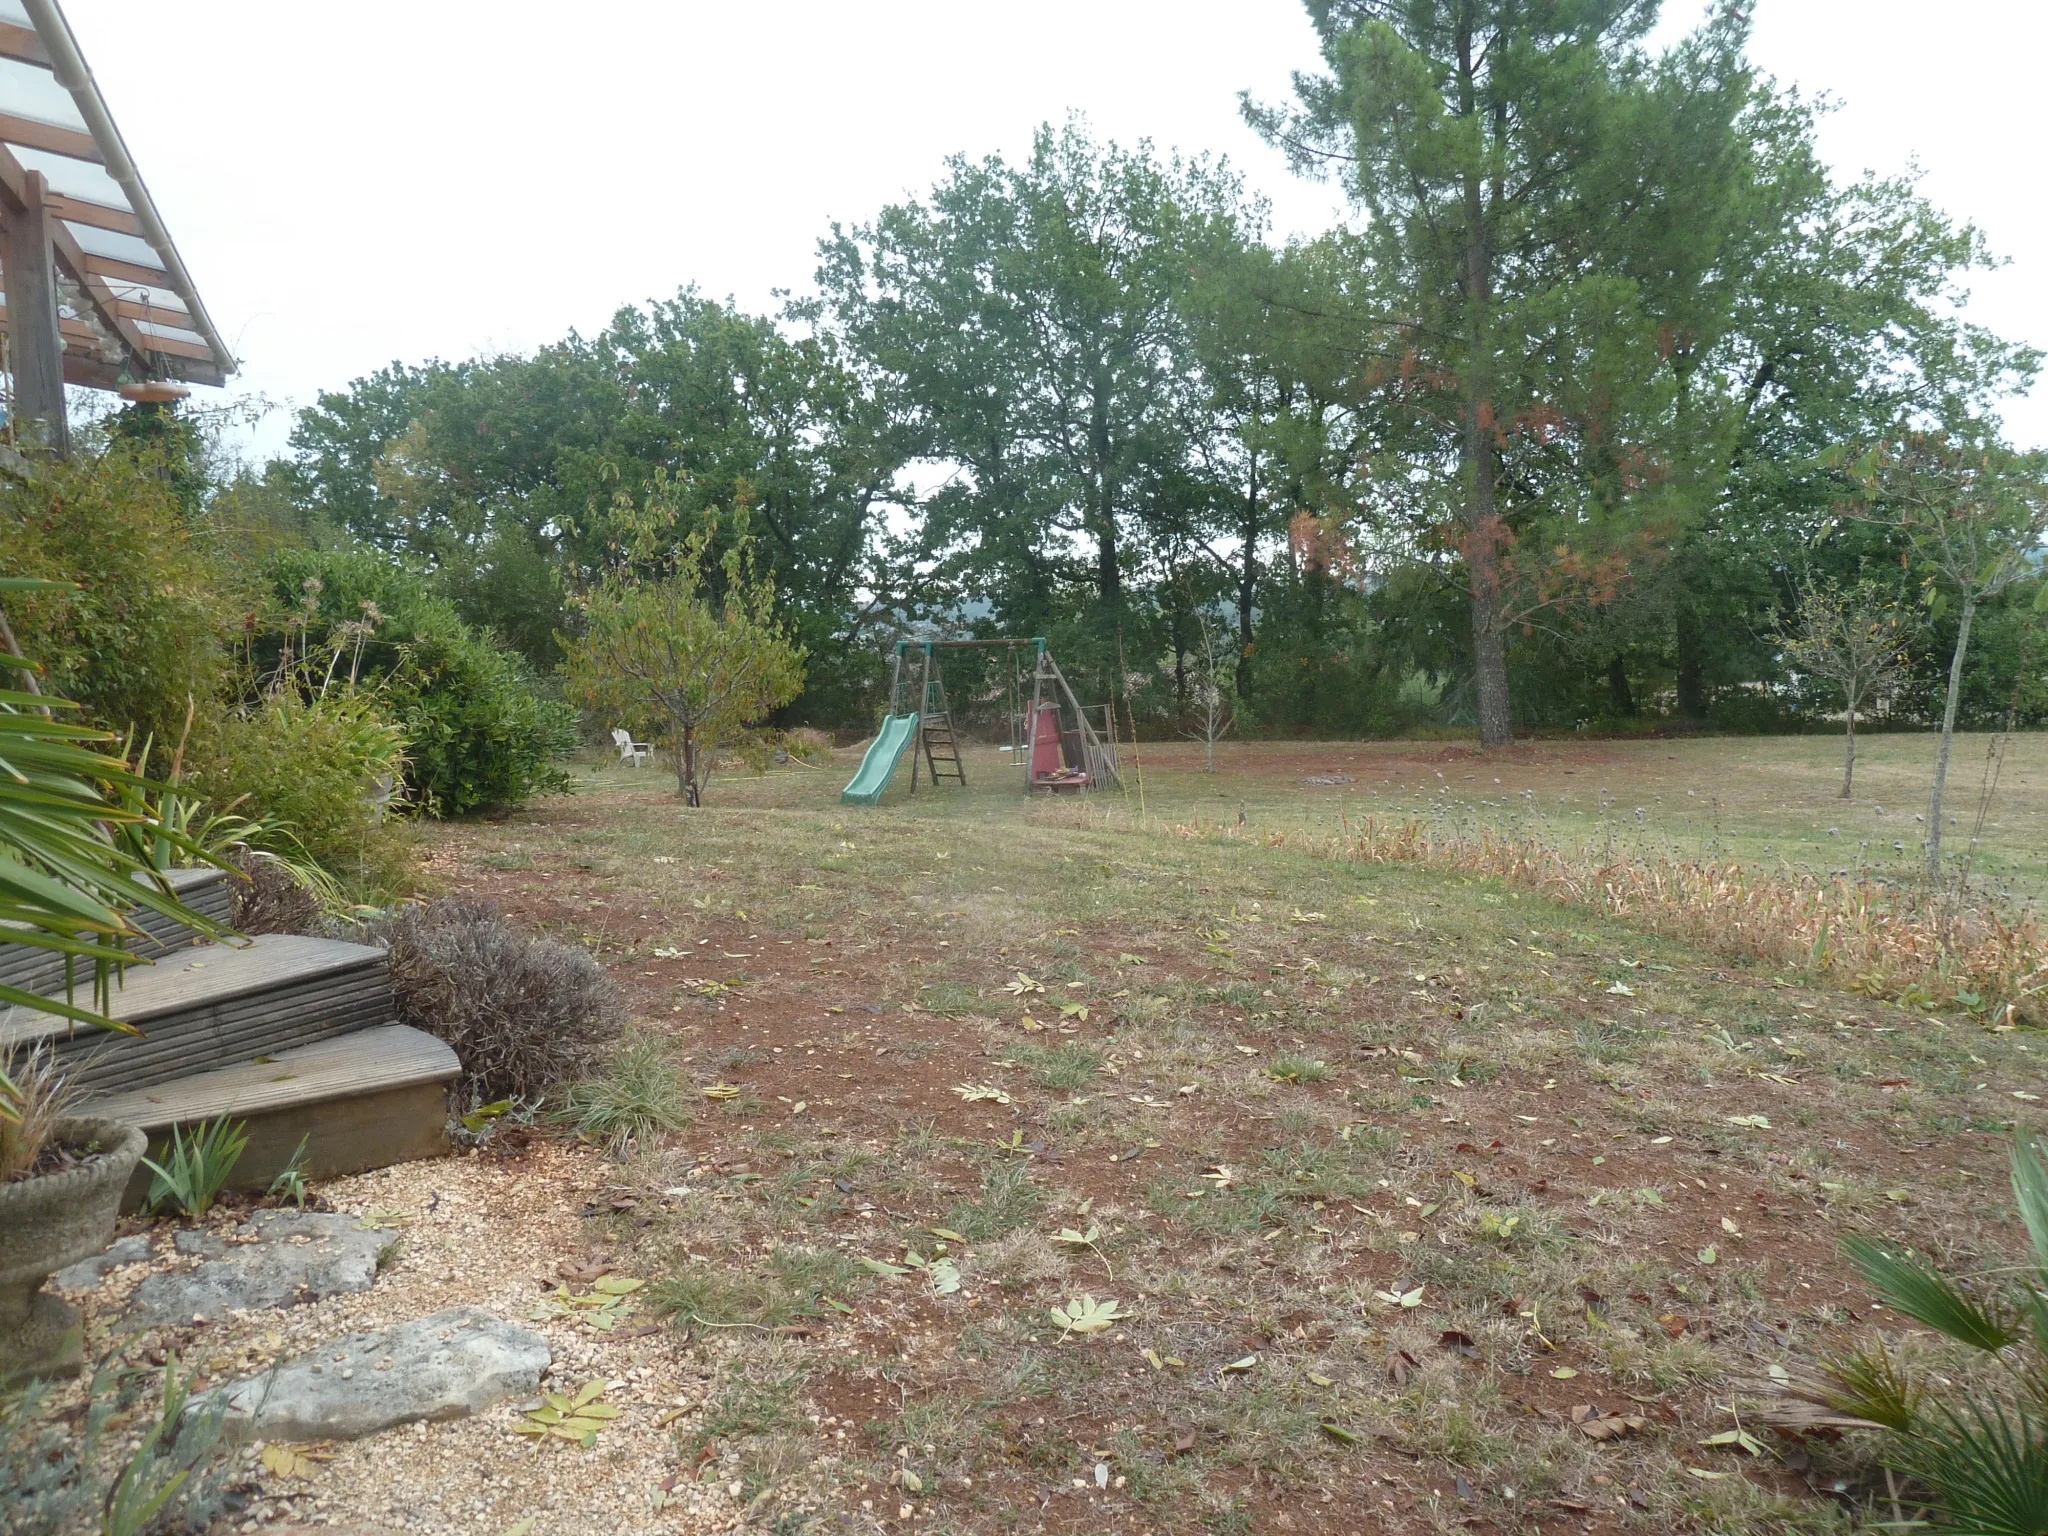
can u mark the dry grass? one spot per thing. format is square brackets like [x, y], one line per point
[40, 1097]
[1867, 936]
[1265, 1085]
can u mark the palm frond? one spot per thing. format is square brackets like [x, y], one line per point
[1914, 1287]
[2030, 1191]
[1987, 1465]
[1871, 1385]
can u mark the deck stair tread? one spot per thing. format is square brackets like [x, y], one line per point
[206, 891]
[214, 1005]
[364, 1062]
[215, 973]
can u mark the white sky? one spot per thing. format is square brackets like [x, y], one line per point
[401, 179]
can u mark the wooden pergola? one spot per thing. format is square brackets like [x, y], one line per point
[95, 293]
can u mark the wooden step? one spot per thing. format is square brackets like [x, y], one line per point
[214, 1005]
[206, 891]
[362, 1100]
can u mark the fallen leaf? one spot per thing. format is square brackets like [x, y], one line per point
[1085, 1315]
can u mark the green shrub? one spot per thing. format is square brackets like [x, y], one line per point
[321, 768]
[146, 629]
[479, 730]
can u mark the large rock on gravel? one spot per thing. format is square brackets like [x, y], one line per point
[285, 1259]
[446, 1366]
[87, 1273]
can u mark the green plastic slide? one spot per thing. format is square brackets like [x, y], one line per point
[879, 766]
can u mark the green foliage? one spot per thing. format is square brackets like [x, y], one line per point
[318, 770]
[140, 631]
[290, 1182]
[67, 883]
[57, 1479]
[1977, 1441]
[477, 730]
[697, 648]
[196, 1169]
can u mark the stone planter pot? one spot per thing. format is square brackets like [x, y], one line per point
[48, 1222]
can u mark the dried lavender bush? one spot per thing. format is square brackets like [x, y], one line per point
[523, 1013]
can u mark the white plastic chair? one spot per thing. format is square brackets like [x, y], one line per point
[631, 751]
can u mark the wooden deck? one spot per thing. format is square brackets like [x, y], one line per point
[361, 1100]
[217, 1004]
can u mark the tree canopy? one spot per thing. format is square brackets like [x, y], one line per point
[1556, 428]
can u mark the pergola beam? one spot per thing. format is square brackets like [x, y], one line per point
[36, 344]
[98, 215]
[69, 142]
[22, 44]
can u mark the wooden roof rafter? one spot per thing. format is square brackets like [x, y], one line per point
[69, 153]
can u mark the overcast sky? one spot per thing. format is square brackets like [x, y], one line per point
[352, 184]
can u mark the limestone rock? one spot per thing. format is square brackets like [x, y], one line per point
[279, 1259]
[445, 1366]
[87, 1273]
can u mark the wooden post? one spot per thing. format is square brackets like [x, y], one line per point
[38, 350]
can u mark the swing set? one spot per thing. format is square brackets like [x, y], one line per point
[1054, 739]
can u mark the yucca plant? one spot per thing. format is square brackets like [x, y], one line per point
[1978, 1448]
[67, 883]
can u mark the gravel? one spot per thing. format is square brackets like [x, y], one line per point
[470, 1232]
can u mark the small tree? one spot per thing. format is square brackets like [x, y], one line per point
[1212, 707]
[1848, 636]
[1970, 513]
[707, 668]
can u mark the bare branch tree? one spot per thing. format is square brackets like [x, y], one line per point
[1848, 636]
[1971, 514]
[1213, 718]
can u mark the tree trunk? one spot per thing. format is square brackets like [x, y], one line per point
[1849, 752]
[1108, 573]
[1482, 522]
[1247, 580]
[686, 769]
[1692, 667]
[1619, 698]
[1948, 737]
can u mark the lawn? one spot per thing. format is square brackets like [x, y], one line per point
[1423, 1202]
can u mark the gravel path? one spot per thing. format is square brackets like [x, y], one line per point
[491, 1234]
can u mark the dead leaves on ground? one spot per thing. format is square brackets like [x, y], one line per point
[1085, 1315]
[290, 1461]
[603, 1307]
[1600, 1426]
[577, 1419]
